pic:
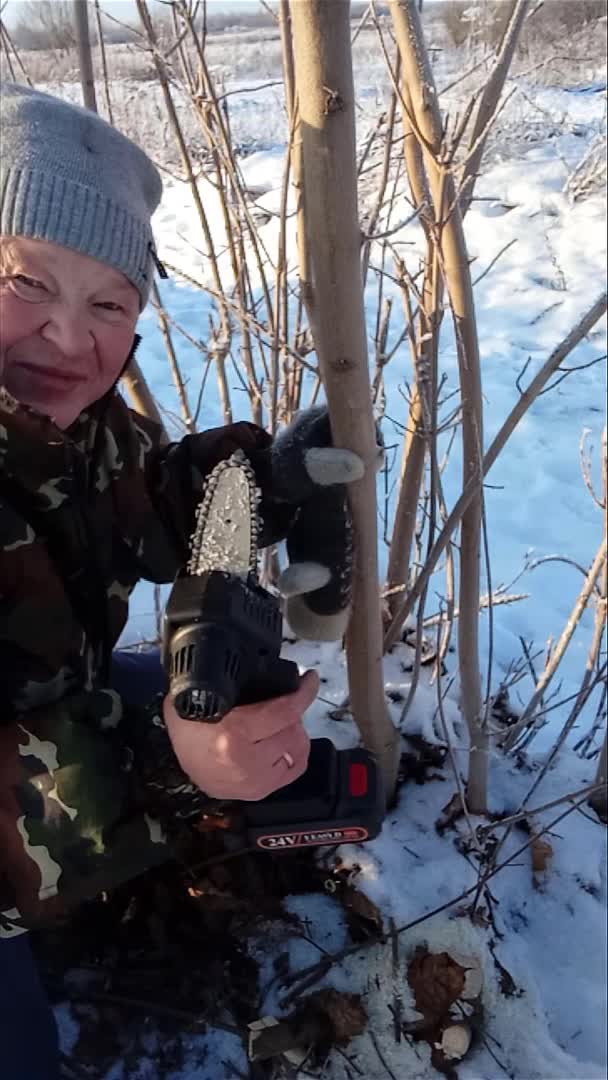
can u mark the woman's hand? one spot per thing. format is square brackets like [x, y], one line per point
[252, 751]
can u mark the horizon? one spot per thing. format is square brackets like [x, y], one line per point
[126, 11]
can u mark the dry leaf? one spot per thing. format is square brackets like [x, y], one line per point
[436, 982]
[480, 917]
[473, 978]
[542, 853]
[264, 1044]
[508, 986]
[345, 1012]
[323, 1019]
[450, 813]
[428, 648]
[359, 904]
[416, 764]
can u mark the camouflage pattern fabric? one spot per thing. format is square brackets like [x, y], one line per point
[83, 516]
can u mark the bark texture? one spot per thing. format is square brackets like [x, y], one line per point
[325, 94]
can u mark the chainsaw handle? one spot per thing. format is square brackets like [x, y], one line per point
[280, 677]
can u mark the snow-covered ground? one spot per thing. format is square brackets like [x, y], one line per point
[551, 938]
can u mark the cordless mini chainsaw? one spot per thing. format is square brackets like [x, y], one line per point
[222, 636]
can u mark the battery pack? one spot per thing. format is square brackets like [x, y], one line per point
[338, 800]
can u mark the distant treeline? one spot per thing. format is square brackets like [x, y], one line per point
[49, 24]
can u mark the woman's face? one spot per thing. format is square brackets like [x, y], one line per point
[67, 324]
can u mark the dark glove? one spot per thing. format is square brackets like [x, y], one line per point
[206, 449]
[179, 473]
[310, 473]
[289, 471]
[302, 479]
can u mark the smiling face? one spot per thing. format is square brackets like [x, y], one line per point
[67, 323]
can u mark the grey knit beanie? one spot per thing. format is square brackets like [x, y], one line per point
[69, 177]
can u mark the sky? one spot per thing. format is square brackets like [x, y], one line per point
[125, 9]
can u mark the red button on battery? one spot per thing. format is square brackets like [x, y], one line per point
[357, 780]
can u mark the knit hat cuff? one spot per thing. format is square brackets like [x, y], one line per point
[50, 207]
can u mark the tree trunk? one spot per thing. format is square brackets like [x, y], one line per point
[490, 97]
[423, 342]
[407, 505]
[325, 93]
[133, 379]
[599, 800]
[220, 336]
[141, 396]
[87, 78]
[427, 123]
[294, 117]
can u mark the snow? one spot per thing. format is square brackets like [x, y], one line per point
[552, 938]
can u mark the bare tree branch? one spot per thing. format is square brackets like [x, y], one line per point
[559, 354]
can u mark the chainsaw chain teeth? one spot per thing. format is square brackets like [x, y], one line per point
[237, 460]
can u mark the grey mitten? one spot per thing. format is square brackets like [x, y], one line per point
[310, 474]
[317, 583]
[304, 459]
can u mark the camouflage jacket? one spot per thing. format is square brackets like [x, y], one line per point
[83, 516]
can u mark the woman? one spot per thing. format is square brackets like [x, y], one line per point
[90, 502]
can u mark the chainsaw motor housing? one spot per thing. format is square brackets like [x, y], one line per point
[222, 636]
